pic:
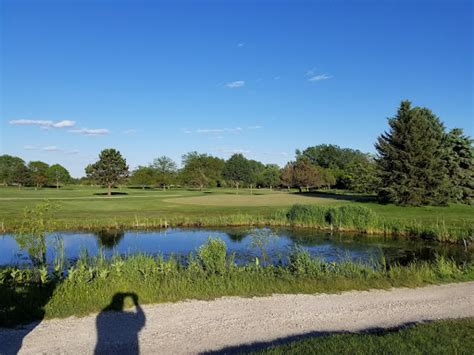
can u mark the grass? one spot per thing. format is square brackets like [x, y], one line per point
[90, 284]
[85, 208]
[439, 337]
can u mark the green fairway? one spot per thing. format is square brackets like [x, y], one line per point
[87, 207]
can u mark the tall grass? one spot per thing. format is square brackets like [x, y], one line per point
[211, 272]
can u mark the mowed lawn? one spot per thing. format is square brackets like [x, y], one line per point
[77, 203]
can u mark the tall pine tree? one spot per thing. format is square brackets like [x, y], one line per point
[410, 158]
[460, 164]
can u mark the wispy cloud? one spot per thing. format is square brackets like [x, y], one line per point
[51, 148]
[235, 84]
[320, 77]
[313, 76]
[240, 44]
[91, 132]
[29, 147]
[254, 127]
[46, 124]
[73, 152]
[219, 130]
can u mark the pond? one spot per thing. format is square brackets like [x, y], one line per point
[247, 244]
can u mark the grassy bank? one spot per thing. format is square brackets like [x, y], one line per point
[84, 208]
[90, 284]
[440, 337]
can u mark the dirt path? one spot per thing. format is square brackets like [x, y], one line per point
[197, 326]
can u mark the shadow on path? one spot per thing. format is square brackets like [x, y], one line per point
[258, 346]
[117, 330]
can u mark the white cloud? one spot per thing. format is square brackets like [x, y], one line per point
[319, 77]
[235, 84]
[51, 148]
[44, 124]
[218, 130]
[91, 132]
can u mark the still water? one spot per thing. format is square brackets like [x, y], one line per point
[247, 244]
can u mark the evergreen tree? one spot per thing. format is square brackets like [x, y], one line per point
[460, 165]
[410, 158]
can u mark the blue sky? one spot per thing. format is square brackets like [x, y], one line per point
[263, 78]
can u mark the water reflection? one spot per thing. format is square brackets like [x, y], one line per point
[109, 238]
[272, 245]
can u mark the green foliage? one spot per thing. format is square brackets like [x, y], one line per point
[212, 256]
[238, 170]
[270, 176]
[38, 172]
[31, 236]
[89, 285]
[410, 162]
[143, 176]
[165, 170]
[459, 159]
[57, 175]
[201, 170]
[110, 169]
[8, 165]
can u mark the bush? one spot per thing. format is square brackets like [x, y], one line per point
[212, 256]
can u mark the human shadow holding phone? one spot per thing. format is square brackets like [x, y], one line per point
[117, 330]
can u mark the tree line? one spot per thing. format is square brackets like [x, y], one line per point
[418, 162]
[14, 171]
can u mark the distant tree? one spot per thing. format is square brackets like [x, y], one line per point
[306, 175]
[201, 170]
[271, 176]
[57, 175]
[20, 174]
[110, 169]
[7, 165]
[238, 170]
[334, 159]
[256, 173]
[459, 158]
[143, 176]
[287, 175]
[165, 171]
[38, 172]
[362, 176]
[410, 158]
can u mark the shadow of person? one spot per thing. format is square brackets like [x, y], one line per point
[21, 310]
[117, 329]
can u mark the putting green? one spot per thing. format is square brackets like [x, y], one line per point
[276, 199]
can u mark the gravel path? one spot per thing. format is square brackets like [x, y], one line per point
[198, 326]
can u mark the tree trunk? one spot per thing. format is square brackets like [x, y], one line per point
[251, 191]
[237, 186]
[109, 191]
[57, 184]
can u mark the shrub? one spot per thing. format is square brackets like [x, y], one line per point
[307, 214]
[212, 256]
